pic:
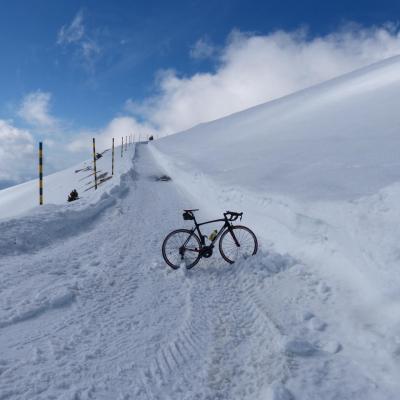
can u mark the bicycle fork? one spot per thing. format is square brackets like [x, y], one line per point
[234, 237]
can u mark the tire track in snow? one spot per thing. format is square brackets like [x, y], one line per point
[177, 362]
[245, 354]
[227, 339]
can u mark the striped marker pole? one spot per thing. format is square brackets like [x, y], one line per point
[112, 158]
[94, 164]
[122, 147]
[40, 173]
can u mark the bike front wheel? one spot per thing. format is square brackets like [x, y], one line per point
[181, 247]
[239, 242]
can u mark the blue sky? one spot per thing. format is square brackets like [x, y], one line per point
[70, 69]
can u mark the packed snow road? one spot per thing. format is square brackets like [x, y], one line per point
[96, 314]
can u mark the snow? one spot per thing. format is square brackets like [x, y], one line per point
[24, 197]
[336, 141]
[89, 310]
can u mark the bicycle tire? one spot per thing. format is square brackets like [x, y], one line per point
[248, 240]
[171, 254]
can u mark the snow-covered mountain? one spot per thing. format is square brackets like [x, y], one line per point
[90, 310]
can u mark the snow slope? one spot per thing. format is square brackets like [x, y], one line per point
[336, 141]
[89, 310]
[18, 199]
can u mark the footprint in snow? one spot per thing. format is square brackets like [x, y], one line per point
[307, 315]
[277, 391]
[323, 289]
[331, 346]
[299, 347]
[316, 324]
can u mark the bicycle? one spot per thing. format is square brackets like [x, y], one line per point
[185, 246]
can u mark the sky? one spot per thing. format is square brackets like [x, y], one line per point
[71, 70]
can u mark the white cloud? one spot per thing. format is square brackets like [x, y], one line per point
[203, 48]
[75, 36]
[254, 69]
[35, 109]
[17, 161]
[117, 128]
[73, 32]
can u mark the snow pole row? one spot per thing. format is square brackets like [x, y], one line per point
[98, 179]
[129, 141]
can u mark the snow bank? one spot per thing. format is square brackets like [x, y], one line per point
[19, 199]
[43, 225]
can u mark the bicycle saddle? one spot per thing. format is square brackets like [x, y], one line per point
[192, 210]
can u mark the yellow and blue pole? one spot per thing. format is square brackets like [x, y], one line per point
[94, 164]
[112, 159]
[40, 173]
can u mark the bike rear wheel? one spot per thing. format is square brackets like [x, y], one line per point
[229, 249]
[181, 246]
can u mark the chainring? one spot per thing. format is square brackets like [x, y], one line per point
[206, 252]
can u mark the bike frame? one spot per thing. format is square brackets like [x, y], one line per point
[227, 226]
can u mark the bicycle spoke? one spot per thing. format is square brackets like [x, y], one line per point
[230, 247]
[185, 242]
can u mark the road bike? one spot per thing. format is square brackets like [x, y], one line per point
[188, 246]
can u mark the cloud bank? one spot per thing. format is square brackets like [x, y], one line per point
[253, 69]
[16, 154]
